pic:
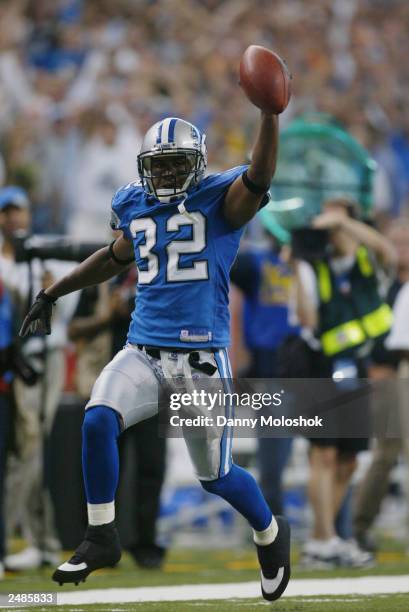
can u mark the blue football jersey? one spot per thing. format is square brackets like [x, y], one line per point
[266, 308]
[183, 264]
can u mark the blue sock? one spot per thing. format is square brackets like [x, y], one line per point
[100, 461]
[241, 490]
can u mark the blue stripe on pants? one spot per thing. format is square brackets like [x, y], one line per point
[222, 362]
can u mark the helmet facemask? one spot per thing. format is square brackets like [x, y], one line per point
[168, 175]
[173, 159]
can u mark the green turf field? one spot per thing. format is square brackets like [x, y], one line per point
[195, 566]
[388, 603]
[221, 566]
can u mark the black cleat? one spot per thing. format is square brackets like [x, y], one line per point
[100, 548]
[274, 561]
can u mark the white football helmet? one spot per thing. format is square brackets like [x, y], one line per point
[172, 159]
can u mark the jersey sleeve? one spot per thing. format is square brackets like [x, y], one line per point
[219, 183]
[121, 208]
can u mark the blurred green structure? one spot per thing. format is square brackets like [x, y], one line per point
[317, 160]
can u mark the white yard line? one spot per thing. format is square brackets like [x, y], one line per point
[368, 585]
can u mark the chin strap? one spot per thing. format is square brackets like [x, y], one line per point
[184, 212]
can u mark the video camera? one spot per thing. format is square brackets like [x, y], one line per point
[28, 247]
[310, 244]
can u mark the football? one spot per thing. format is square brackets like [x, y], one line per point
[265, 79]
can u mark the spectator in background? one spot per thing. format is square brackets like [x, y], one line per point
[385, 366]
[28, 501]
[6, 338]
[60, 154]
[95, 54]
[343, 296]
[89, 329]
[107, 161]
[266, 280]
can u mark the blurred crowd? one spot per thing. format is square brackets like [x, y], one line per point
[81, 80]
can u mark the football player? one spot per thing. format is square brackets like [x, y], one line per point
[183, 230]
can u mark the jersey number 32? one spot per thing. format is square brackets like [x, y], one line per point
[198, 270]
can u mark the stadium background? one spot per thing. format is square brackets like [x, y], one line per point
[80, 81]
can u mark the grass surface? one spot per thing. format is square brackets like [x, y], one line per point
[193, 567]
[380, 603]
[216, 566]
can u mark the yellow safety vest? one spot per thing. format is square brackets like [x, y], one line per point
[350, 334]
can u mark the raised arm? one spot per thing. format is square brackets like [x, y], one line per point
[361, 232]
[372, 239]
[99, 267]
[244, 196]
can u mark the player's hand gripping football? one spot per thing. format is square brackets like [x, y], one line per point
[38, 317]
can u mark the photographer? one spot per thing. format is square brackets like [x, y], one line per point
[343, 306]
[28, 501]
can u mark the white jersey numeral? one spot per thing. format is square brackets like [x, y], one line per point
[148, 226]
[176, 248]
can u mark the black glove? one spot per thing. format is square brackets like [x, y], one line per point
[38, 317]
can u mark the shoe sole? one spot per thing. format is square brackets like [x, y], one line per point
[76, 577]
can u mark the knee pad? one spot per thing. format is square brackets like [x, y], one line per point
[101, 422]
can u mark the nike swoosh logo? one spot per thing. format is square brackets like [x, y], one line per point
[70, 567]
[270, 585]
